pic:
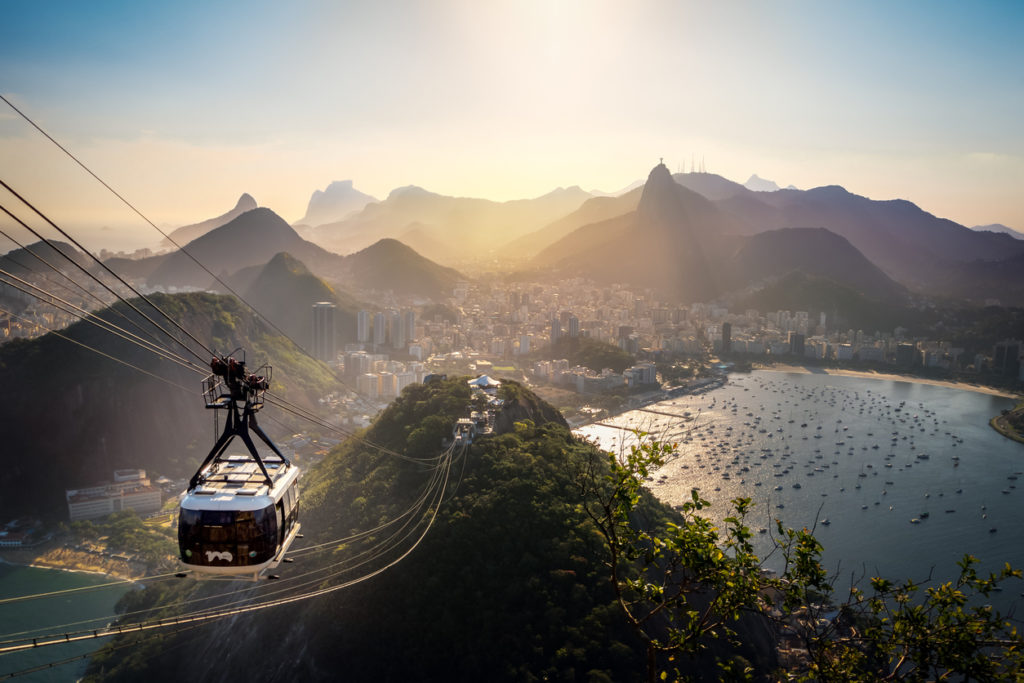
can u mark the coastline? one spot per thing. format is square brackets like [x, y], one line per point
[639, 401]
[865, 374]
[70, 560]
[663, 395]
[1008, 423]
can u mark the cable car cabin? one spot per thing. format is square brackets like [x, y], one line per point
[233, 523]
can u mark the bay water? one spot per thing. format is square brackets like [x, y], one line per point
[69, 611]
[897, 479]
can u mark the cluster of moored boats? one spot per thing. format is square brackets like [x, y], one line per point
[739, 440]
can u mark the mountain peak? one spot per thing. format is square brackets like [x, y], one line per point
[659, 172]
[334, 203]
[187, 233]
[245, 203]
[999, 227]
[659, 198]
[758, 184]
[410, 191]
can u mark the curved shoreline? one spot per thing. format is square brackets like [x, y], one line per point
[1001, 424]
[67, 560]
[865, 374]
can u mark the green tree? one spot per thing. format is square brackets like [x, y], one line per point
[686, 584]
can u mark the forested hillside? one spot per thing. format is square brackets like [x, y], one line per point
[111, 415]
[511, 582]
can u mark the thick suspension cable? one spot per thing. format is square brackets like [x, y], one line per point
[94, 319]
[69, 660]
[347, 565]
[301, 412]
[60, 639]
[105, 355]
[115, 275]
[101, 282]
[180, 247]
[70, 279]
[83, 589]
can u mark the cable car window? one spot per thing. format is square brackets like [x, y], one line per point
[265, 522]
[245, 526]
[279, 508]
[188, 527]
[218, 526]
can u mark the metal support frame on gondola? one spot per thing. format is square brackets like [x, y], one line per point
[228, 386]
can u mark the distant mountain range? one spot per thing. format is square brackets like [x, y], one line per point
[391, 265]
[187, 233]
[910, 246]
[248, 240]
[758, 184]
[444, 229]
[628, 188]
[27, 259]
[593, 210]
[237, 251]
[684, 245]
[999, 227]
[279, 289]
[692, 226]
[336, 202]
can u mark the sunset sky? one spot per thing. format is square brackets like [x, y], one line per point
[182, 106]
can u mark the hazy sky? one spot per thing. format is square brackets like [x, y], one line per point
[182, 106]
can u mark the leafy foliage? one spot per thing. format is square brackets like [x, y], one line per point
[591, 353]
[548, 559]
[694, 582]
[113, 416]
[126, 533]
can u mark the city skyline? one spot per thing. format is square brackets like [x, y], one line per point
[182, 108]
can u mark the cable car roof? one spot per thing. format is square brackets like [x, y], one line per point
[235, 482]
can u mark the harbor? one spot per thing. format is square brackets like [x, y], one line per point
[896, 478]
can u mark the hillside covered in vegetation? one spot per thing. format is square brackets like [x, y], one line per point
[530, 555]
[510, 583]
[138, 411]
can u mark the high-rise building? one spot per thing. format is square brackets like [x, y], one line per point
[397, 331]
[556, 330]
[1006, 358]
[380, 329]
[797, 343]
[363, 327]
[574, 326]
[368, 384]
[409, 321]
[906, 354]
[524, 344]
[726, 337]
[325, 336]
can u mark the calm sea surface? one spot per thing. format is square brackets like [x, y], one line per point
[49, 615]
[908, 476]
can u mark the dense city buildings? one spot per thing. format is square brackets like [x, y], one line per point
[505, 325]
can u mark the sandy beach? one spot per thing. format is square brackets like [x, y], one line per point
[68, 559]
[895, 378]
